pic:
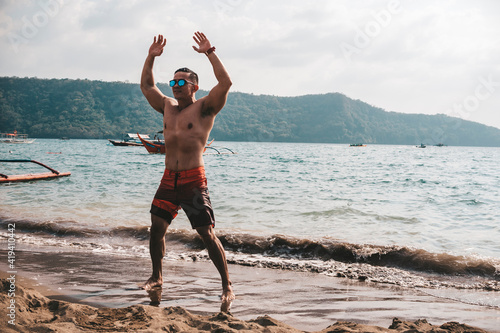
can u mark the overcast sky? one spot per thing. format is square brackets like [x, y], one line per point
[422, 56]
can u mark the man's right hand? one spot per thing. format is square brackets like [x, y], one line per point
[156, 48]
[148, 86]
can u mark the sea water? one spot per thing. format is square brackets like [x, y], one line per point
[391, 214]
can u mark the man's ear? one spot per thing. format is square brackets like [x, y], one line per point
[196, 87]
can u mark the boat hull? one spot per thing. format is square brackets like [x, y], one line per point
[125, 143]
[152, 147]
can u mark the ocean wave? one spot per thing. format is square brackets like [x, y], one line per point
[284, 247]
[55, 228]
[390, 256]
[472, 202]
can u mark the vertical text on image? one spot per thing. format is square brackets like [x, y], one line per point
[11, 259]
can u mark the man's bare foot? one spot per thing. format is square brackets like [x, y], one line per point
[155, 296]
[152, 283]
[227, 299]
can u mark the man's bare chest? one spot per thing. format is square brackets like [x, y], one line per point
[178, 122]
[187, 120]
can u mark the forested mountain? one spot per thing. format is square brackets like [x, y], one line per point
[94, 109]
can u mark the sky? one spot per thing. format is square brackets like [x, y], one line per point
[425, 56]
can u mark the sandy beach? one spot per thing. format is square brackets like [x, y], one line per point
[68, 291]
[37, 313]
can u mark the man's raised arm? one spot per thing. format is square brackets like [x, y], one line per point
[217, 97]
[148, 86]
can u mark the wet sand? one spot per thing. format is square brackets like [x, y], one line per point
[191, 293]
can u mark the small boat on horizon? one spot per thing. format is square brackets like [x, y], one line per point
[15, 137]
[357, 145]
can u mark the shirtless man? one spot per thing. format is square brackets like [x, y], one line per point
[187, 123]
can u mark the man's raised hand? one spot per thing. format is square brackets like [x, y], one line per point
[156, 49]
[202, 41]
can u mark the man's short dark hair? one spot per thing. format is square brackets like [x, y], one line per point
[192, 75]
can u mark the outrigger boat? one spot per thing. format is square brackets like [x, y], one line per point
[153, 147]
[158, 147]
[130, 139]
[15, 138]
[34, 176]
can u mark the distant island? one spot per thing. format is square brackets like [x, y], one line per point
[55, 108]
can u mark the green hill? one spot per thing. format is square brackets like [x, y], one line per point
[94, 109]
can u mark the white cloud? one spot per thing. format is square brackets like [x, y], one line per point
[419, 57]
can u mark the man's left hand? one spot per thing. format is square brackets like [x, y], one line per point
[202, 41]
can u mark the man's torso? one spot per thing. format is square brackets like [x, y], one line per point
[186, 133]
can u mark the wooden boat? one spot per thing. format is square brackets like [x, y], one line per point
[130, 139]
[125, 143]
[153, 147]
[158, 147]
[28, 177]
[14, 137]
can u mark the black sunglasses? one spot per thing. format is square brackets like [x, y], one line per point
[179, 82]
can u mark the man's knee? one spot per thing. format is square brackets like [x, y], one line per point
[159, 226]
[206, 233]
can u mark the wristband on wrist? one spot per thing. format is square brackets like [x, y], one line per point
[210, 50]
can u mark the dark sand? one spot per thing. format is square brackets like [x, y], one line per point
[104, 295]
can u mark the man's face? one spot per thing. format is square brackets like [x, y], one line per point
[186, 90]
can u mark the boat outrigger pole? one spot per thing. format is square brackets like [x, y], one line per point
[26, 177]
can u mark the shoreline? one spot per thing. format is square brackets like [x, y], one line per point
[33, 311]
[305, 301]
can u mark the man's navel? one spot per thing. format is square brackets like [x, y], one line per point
[190, 125]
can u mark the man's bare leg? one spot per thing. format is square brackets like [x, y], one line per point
[158, 231]
[218, 257]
